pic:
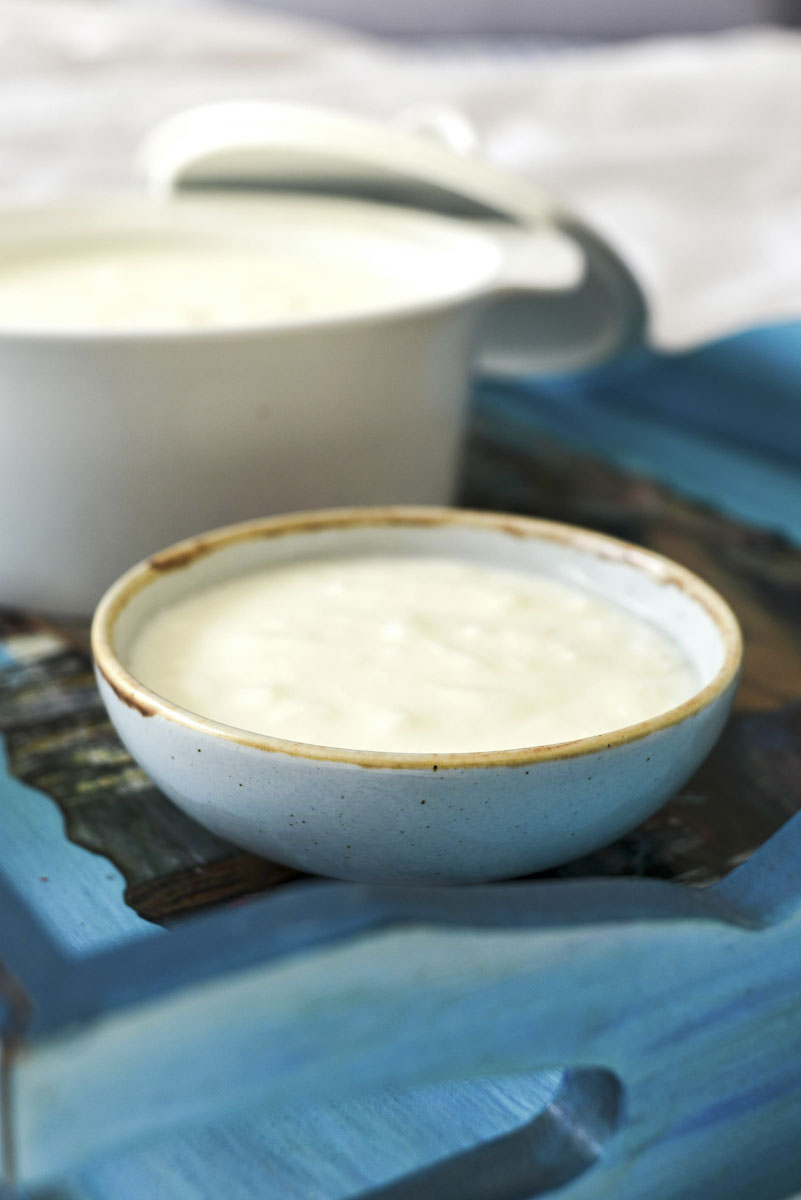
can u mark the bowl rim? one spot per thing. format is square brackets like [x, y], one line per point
[131, 692]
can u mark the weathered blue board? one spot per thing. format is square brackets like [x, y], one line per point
[326, 1039]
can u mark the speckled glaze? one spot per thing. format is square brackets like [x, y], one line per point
[453, 818]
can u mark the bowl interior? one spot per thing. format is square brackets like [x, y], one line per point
[661, 592]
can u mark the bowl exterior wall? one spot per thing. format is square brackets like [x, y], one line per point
[437, 825]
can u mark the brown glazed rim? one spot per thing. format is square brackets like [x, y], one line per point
[182, 554]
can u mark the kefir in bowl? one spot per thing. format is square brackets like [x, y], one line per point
[415, 694]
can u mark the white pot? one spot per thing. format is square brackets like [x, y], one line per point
[116, 443]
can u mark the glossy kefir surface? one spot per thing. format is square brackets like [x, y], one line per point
[410, 654]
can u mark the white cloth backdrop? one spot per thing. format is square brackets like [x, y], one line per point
[685, 152]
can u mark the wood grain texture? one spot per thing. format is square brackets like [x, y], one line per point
[684, 1081]
[752, 780]
[59, 741]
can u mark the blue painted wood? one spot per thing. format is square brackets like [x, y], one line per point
[299, 918]
[76, 895]
[744, 1104]
[721, 425]
[319, 1151]
[660, 1004]
[767, 888]
[779, 857]
[720, 388]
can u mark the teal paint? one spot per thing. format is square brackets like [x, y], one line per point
[76, 895]
[422, 1005]
[721, 424]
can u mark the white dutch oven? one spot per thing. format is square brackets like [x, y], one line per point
[116, 442]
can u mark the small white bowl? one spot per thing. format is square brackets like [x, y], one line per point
[390, 817]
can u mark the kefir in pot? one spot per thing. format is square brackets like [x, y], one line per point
[139, 282]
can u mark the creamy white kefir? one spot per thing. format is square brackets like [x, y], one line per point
[410, 654]
[195, 283]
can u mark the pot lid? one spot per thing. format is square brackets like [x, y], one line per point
[424, 161]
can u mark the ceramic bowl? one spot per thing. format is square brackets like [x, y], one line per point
[450, 818]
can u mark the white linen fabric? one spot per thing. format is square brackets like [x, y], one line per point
[683, 152]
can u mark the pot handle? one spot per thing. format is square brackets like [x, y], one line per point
[564, 301]
[533, 325]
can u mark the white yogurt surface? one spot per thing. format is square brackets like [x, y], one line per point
[410, 654]
[195, 283]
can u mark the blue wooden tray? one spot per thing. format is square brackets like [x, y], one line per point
[626, 1038]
